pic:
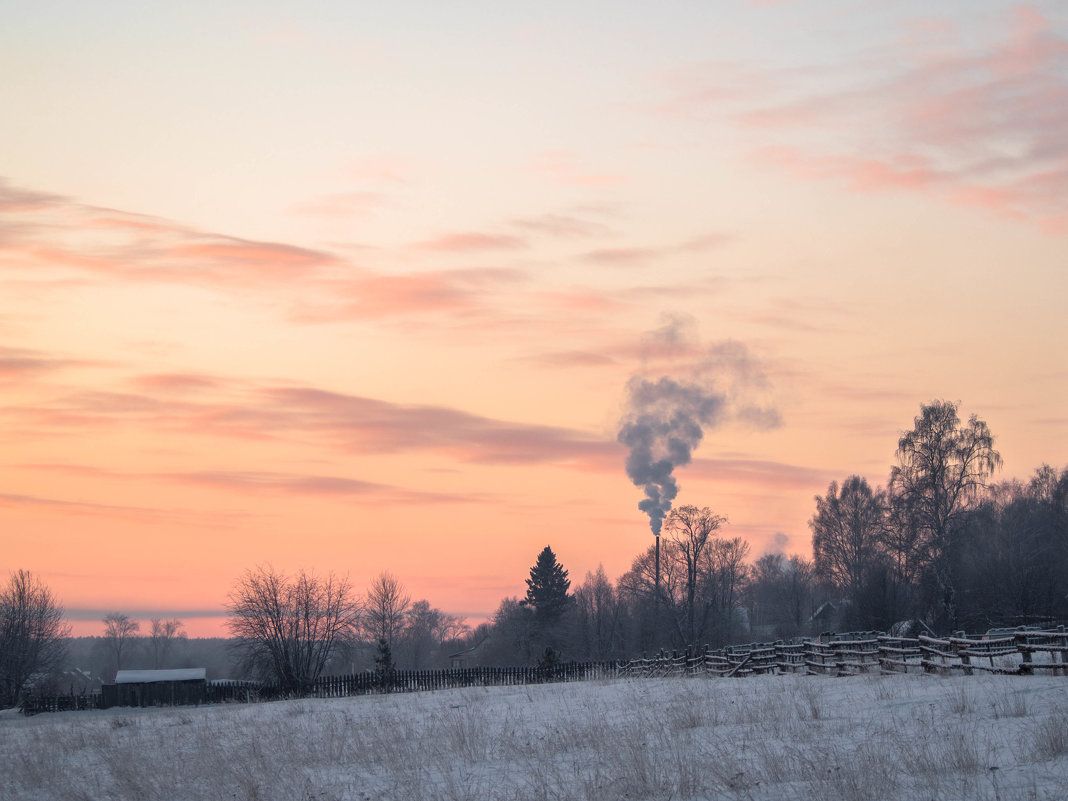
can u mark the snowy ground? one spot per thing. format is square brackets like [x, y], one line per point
[783, 737]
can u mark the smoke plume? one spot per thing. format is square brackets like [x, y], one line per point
[665, 426]
[666, 417]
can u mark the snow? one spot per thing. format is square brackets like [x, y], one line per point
[148, 676]
[760, 739]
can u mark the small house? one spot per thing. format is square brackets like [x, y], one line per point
[176, 687]
[470, 657]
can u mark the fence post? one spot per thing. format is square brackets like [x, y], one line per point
[1026, 668]
[965, 659]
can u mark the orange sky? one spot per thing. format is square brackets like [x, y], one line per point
[356, 291]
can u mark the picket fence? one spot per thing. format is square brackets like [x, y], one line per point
[1017, 653]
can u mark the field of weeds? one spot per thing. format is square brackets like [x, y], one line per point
[799, 737]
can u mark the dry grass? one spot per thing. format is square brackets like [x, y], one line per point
[896, 737]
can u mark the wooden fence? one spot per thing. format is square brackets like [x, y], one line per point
[33, 704]
[401, 681]
[1022, 652]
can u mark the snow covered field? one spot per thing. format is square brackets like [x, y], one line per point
[781, 737]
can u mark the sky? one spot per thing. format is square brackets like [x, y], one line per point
[356, 288]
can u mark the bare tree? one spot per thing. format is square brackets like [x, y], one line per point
[288, 628]
[597, 610]
[425, 633]
[904, 539]
[164, 634]
[692, 530]
[637, 589]
[725, 574]
[387, 607]
[780, 593]
[512, 635]
[942, 468]
[32, 634]
[120, 633]
[846, 534]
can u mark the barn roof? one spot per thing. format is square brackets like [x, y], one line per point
[149, 676]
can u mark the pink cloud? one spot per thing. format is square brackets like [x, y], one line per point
[1031, 47]
[468, 241]
[563, 226]
[571, 358]
[137, 513]
[367, 425]
[177, 382]
[582, 301]
[17, 363]
[47, 231]
[377, 296]
[624, 256]
[981, 125]
[245, 253]
[252, 481]
[351, 423]
[60, 257]
[860, 174]
[295, 484]
[136, 222]
[14, 199]
[759, 473]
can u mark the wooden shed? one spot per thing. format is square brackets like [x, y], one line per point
[470, 657]
[176, 687]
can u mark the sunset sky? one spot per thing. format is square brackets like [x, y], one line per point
[358, 287]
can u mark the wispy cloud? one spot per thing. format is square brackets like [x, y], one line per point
[15, 199]
[52, 237]
[571, 358]
[975, 124]
[265, 259]
[366, 424]
[57, 241]
[296, 484]
[79, 508]
[349, 422]
[563, 226]
[261, 482]
[373, 296]
[761, 473]
[860, 174]
[96, 614]
[634, 256]
[471, 241]
[21, 362]
[177, 382]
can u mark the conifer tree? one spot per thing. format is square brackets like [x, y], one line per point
[547, 587]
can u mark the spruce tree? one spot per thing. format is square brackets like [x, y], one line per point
[547, 587]
[384, 669]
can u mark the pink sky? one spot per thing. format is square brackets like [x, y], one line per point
[355, 291]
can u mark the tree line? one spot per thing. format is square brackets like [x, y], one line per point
[941, 545]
